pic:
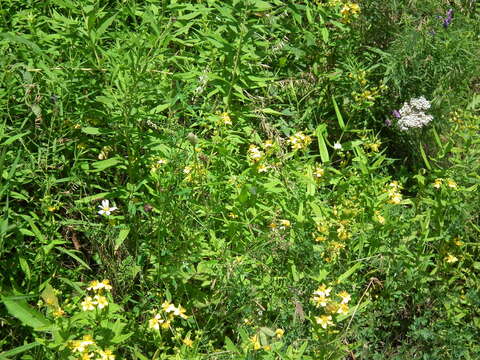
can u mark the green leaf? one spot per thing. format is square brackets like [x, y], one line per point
[424, 157]
[349, 272]
[14, 138]
[18, 350]
[339, 114]
[322, 146]
[229, 345]
[90, 198]
[26, 314]
[105, 164]
[25, 268]
[122, 235]
[49, 297]
[72, 255]
[92, 130]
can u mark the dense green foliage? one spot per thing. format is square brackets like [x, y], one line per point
[239, 158]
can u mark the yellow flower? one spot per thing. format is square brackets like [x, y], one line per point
[106, 354]
[267, 348]
[82, 345]
[318, 173]
[262, 168]
[395, 198]
[438, 183]
[155, 322]
[451, 184]
[268, 144]
[86, 356]
[101, 301]
[299, 141]
[451, 259]
[166, 305]
[379, 217]
[93, 285]
[342, 309]
[166, 324]
[88, 304]
[96, 285]
[323, 290]
[345, 297]
[324, 320]
[320, 300]
[180, 311]
[255, 154]
[255, 343]
[279, 333]
[284, 224]
[457, 241]
[272, 226]
[320, 238]
[225, 118]
[58, 312]
[188, 342]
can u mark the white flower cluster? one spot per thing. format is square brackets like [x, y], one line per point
[412, 114]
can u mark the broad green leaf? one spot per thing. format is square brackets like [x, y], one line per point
[122, 235]
[49, 297]
[26, 314]
[105, 164]
[91, 130]
[349, 272]
[18, 350]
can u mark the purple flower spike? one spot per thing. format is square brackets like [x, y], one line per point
[396, 113]
[448, 20]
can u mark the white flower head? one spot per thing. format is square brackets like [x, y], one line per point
[412, 114]
[337, 146]
[105, 208]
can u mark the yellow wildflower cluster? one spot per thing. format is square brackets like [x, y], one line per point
[88, 349]
[255, 154]
[373, 146]
[349, 10]
[378, 217]
[299, 141]
[451, 259]
[360, 77]
[98, 301]
[437, 184]
[318, 172]
[393, 191]
[166, 315]
[330, 3]
[194, 172]
[157, 163]
[368, 96]
[331, 305]
[282, 224]
[225, 119]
